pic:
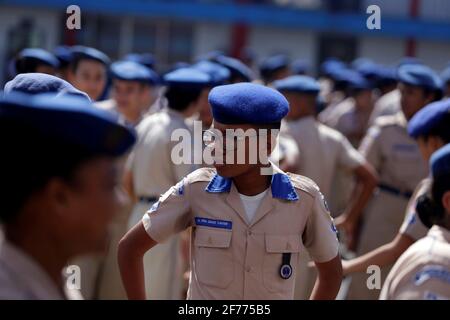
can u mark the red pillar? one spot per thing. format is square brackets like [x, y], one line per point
[239, 35]
[411, 44]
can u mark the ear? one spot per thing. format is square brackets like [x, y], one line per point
[446, 201]
[57, 193]
[436, 142]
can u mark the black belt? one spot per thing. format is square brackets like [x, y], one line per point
[395, 191]
[147, 199]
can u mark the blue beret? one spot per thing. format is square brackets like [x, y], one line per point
[187, 77]
[331, 66]
[146, 59]
[445, 75]
[298, 84]
[368, 68]
[419, 75]
[70, 118]
[90, 53]
[440, 161]
[408, 60]
[356, 81]
[39, 54]
[386, 73]
[63, 53]
[218, 73]
[211, 55]
[34, 83]
[247, 103]
[299, 67]
[429, 117]
[237, 68]
[273, 63]
[133, 71]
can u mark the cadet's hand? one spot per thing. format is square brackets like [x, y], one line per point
[349, 227]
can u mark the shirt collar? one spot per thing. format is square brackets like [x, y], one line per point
[281, 185]
[440, 233]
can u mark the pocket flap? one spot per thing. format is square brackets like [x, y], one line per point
[280, 244]
[212, 238]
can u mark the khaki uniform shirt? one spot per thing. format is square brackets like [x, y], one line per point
[412, 226]
[232, 258]
[423, 271]
[22, 278]
[323, 151]
[387, 104]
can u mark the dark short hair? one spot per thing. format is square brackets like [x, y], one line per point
[77, 59]
[429, 207]
[29, 65]
[179, 98]
[29, 160]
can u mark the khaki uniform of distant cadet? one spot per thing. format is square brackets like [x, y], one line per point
[153, 173]
[423, 271]
[387, 104]
[323, 153]
[232, 258]
[400, 166]
[412, 226]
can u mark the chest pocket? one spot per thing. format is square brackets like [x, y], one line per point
[213, 260]
[276, 245]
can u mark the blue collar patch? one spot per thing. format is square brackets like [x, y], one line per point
[281, 185]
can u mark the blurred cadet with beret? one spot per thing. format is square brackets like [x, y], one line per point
[249, 220]
[239, 71]
[133, 90]
[36, 60]
[88, 71]
[400, 166]
[423, 271]
[151, 171]
[64, 56]
[71, 191]
[430, 127]
[323, 152]
[273, 68]
[445, 77]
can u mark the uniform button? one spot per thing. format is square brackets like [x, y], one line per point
[248, 269]
[249, 232]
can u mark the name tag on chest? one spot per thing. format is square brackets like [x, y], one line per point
[213, 223]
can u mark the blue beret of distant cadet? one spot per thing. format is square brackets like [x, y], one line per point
[408, 60]
[331, 65]
[247, 103]
[368, 69]
[187, 77]
[237, 68]
[83, 52]
[218, 73]
[35, 83]
[299, 67]
[273, 64]
[133, 71]
[146, 59]
[302, 84]
[41, 55]
[211, 55]
[433, 115]
[71, 119]
[358, 82]
[419, 75]
[440, 161]
[64, 54]
[445, 75]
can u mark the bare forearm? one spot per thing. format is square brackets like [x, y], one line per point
[326, 288]
[132, 274]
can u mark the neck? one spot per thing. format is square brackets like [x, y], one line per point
[38, 245]
[252, 182]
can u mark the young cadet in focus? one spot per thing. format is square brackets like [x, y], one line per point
[248, 225]
[430, 127]
[423, 271]
[323, 153]
[397, 159]
[36, 60]
[88, 71]
[69, 191]
[151, 170]
[132, 84]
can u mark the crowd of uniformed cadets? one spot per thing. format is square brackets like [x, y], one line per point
[88, 179]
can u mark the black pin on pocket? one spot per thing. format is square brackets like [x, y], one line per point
[286, 268]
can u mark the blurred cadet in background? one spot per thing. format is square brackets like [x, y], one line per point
[430, 127]
[396, 157]
[88, 71]
[151, 170]
[274, 68]
[70, 194]
[422, 272]
[64, 56]
[239, 71]
[36, 60]
[323, 152]
[145, 59]
[445, 77]
[132, 85]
